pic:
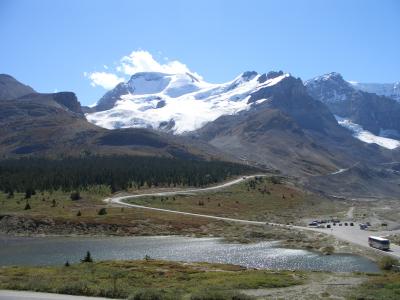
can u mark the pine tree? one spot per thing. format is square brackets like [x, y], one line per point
[88, 258]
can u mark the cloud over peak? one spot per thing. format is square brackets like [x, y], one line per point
[136, 61]
[103, 79]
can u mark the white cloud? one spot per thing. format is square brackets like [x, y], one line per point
[143, 61]
[137, 61]
[103, 79]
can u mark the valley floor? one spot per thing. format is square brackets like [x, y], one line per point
[265, 198]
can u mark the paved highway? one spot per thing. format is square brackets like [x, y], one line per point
[351, 234]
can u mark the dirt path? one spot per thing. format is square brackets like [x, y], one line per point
[319, 286]
[349, 213]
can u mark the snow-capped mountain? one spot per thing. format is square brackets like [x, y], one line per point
[377, 115]
[329, 88]
[177, 103]
[391, 90]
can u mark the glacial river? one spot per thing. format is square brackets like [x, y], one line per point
[264, 255]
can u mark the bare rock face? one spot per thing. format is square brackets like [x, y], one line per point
[108, 100]
[374, 113]
[69, 100]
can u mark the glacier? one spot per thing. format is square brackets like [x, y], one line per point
[180, 103]
[366, 136]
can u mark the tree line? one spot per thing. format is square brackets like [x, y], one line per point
[118, 172]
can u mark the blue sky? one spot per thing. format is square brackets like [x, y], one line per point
[50, 45]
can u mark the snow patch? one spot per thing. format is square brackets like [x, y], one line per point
[187, 101]
[366, 136]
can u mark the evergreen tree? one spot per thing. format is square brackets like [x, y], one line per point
[88, 258]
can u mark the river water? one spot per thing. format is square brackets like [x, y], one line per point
[263, 255]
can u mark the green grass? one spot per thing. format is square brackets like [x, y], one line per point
[122, 278]
[262, 201]
[55, 203]
[379, 287]
[265, 200]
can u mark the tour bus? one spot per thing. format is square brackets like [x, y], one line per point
[379, 242]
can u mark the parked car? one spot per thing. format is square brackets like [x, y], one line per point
[328, 226]
[363, 226]
[340, 224]
[351, 224]
[345, 224]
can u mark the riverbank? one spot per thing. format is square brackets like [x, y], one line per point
[175, 280]
[117, 279]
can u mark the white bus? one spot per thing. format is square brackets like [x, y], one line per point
[379, 242]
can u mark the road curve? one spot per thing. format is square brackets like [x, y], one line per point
[116, 199]
[346, 233]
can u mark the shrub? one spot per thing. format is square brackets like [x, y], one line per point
[149, 294]
[79, 214]
[219, 295]
[387, 263]
[75, 288]
[102, 211]
[328, 250]
[28, 193]
[75, 196]
[27, 206]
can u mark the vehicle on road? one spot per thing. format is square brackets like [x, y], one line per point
[363, 226]
[379, 243]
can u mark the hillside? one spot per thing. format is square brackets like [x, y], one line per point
[53, 125]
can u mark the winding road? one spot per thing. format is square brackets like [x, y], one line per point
[351, 234]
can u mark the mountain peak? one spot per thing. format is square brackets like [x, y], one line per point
[335, 76]
[248, 75]
[329, 88]
[10, 88]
